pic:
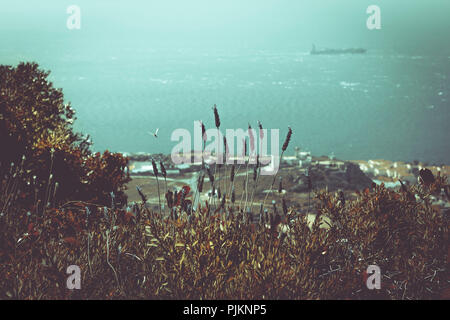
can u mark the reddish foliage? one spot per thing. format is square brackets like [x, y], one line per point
[36, 135]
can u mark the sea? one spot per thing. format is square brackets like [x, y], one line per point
[382, 104]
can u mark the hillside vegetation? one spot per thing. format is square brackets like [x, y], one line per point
[62, 205]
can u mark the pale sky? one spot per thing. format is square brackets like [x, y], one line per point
[412, 25]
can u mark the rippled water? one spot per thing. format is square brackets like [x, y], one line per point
[378, 105]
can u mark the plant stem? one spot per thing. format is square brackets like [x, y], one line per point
[273, 181]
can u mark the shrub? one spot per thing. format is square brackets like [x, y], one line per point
[136, 253]
[36, 134]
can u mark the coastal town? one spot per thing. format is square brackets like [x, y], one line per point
[299, 175]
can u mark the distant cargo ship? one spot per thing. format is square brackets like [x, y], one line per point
[338, 51]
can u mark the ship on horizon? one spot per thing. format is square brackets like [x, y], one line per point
[338, 51]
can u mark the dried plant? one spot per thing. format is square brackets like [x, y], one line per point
[216, 117]
[155, 173]
[226, 156]
[204, 139]
[283, 149]
[217, 122]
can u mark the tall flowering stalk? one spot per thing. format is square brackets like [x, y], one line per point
[258, 164]
[164, 174]
[245, 152]
[256, 174]
[211, 180]
[226, 150]
[155, 172]
[232, 175]
[283, 149]
[252, 150]
[217, 123]
[198, 188]
[204, 139]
